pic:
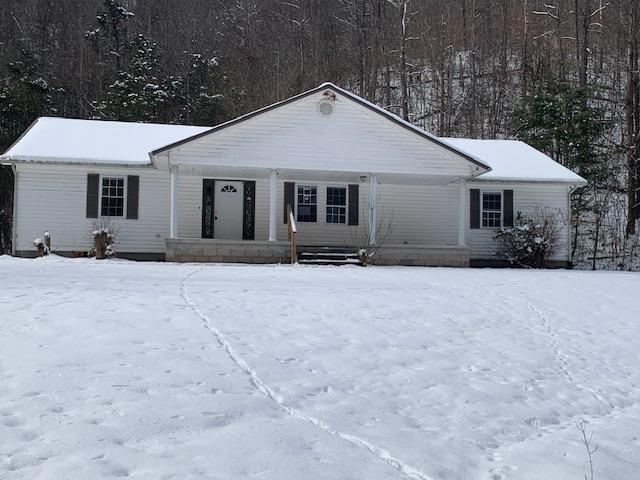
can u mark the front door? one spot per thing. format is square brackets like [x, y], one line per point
[228, 210]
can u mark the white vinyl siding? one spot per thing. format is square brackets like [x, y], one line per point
[525, 198]
[296, 136]
[419, 214]
[54, 198]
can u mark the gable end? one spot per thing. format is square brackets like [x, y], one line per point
[360, 101]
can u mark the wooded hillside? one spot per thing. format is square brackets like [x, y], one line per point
[562, 75]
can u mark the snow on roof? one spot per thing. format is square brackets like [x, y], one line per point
[512, 160]
[64, 140]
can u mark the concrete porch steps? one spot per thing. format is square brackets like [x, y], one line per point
[327, 256]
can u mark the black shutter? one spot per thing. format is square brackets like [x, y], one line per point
[474, 208]
[208, 204]
[508, 207]
[354, 199]
[249, 210]
[93, 183]
[289, 198]
[133, 194]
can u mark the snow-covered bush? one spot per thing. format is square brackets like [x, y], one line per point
[43, 244]
[104, 235]
[532, 240]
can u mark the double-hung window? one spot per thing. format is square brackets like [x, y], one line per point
[307, 203]
[336, 205]
[112, 203]
[491, 209]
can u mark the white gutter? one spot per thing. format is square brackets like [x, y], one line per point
[10, 160]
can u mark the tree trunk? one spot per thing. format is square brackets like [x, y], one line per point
[474, 75]
[403, 61]
[632, 107]
[525, 51]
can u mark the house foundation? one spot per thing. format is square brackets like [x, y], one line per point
[226, 251]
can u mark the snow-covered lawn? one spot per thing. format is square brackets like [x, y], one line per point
[166, 371]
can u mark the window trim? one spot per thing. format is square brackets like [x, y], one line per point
[346, 203]
[492, 192]
[317, 204]
[125, 186]
[229, 188]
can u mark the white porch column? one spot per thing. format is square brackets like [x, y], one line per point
[373, 207]
[175, 184]
[462, 219]
[273, 201]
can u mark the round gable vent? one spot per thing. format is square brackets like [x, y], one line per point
[326, 107]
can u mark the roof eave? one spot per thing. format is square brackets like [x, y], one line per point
[26, 160]
[579, 183]
[21, 136]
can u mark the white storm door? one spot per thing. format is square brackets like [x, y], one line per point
[228, 210]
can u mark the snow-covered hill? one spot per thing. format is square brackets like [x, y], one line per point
[166, 371]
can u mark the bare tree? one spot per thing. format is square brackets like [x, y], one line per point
[587, 440]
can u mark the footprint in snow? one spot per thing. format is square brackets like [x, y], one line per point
[13, 421]
[496, 474]
[113, 469]
[285, 361]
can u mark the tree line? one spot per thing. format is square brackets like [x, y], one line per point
[562, 75]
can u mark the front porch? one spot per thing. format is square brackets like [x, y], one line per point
[261, 252]
[240, 216]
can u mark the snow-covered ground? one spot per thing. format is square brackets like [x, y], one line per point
[166, 371]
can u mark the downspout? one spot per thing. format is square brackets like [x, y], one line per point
[14, 211]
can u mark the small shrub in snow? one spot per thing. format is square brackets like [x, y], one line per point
[532, 240]
[104, 235]
[587, 441]
[43, 244]
[360, 236]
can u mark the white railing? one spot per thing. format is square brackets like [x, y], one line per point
[293, 230]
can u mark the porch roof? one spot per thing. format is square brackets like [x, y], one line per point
[241, 173]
